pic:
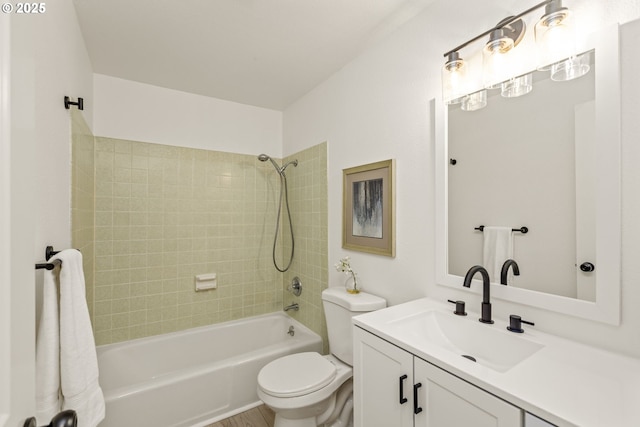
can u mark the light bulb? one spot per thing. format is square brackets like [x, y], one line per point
[496, 61]
[555, 38]
[454, 82]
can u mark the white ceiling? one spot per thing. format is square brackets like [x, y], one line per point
[266, 53]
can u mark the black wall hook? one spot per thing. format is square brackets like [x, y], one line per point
[68, 103]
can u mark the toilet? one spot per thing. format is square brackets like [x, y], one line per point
[311, 390]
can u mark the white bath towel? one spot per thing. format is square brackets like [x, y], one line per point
[498, 247]
[48, 401]
[78, 362]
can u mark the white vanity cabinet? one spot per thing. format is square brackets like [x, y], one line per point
[382, 380]
[514, 376]
[392, 387]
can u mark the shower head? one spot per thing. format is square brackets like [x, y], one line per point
[263, 158]
[280, 170]
[292, 162]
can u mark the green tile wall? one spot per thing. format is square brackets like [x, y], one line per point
[308, 201]
[150, 217]
[165, 214]
[82, 198]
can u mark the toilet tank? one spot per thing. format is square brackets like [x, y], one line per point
[339, 307]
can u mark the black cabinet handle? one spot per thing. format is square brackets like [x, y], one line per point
[401, 382]
[416, 408]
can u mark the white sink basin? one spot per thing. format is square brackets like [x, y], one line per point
[494, 348]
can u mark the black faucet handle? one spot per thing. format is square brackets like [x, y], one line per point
[515, 324]
[459, 307]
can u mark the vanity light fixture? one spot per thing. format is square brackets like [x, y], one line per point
[453, 78]
[555, 42]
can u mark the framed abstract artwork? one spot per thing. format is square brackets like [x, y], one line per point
[368, 221]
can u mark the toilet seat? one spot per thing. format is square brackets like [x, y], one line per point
[296, 375]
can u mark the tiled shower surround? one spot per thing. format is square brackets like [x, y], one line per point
[82, 198]
[164, 214]
[308, 202]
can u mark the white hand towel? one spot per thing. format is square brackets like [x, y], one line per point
[48, 401]
[78, 360]
[498, 247]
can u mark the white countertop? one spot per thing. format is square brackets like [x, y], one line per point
[566, 383]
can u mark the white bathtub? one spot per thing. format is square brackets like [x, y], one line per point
[195, 377]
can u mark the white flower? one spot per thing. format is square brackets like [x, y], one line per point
[344, 265]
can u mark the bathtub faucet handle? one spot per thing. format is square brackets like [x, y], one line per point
[295, 287]
[292, 331]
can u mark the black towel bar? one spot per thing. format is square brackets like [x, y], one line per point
[523, 230]
[48, 265]
[48, 253]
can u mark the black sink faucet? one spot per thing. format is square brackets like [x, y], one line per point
[486, 287]
[505, 270]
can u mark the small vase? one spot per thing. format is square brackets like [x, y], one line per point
[352, 284]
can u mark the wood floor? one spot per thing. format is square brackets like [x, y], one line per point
[260, 416]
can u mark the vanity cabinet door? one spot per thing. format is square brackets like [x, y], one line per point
[383, 383]
[448, 401]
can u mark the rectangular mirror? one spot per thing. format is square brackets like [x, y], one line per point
[549, 161]
[527, 161]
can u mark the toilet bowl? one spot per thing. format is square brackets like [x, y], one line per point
[303, 387]
[309, 389]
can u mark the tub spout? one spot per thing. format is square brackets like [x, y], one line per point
[293, 306]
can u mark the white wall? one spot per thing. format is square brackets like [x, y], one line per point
[62, 68]
[17, 141]
[377, 107]
[47, 61]
[140, 112]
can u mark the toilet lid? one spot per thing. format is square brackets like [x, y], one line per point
[296, 375]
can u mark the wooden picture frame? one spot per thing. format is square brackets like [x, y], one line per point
[368, 208]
